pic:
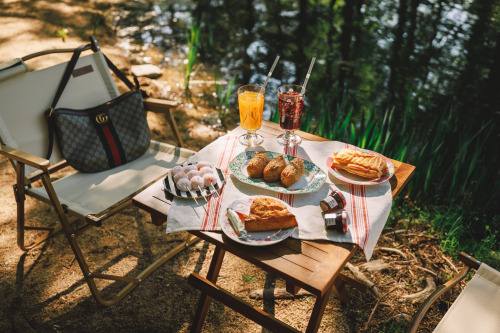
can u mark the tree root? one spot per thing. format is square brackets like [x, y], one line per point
[424, 293]
[360, 276]
[389, 249]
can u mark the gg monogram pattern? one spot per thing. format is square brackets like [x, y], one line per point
[105, 136]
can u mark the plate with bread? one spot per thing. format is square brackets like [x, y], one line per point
[258, 221]
[360, 166]
[277, 172]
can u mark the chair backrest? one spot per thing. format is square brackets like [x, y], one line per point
[477, 308]
[25, 97]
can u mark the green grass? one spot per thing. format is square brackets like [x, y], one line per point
[248, 278]
[457, 228]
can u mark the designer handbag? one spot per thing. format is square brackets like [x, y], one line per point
[104, 136]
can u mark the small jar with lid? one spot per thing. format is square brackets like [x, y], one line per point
[334, 201]
[336, 221]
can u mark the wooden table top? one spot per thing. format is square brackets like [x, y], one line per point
[312, 265]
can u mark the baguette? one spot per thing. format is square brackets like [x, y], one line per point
[359, 163]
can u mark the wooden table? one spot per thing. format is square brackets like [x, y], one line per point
[312, 265]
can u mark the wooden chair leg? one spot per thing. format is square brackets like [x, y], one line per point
[20, 196]
[204, 302]
[132, 282]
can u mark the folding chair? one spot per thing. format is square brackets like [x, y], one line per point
[91, 197]
[476, 309]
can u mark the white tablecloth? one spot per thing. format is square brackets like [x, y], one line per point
[368, 207]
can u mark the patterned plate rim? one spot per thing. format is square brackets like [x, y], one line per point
[334, 172]
[171, 188]
[319, 176]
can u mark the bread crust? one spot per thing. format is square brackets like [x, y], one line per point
[359, 163]
[292, 172]
[273, 169]
[256, 165]
[269, 214]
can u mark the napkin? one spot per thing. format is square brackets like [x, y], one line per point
[368, 207]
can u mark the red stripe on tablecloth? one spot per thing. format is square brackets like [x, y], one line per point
[210, 218]
[225, 170]
[354, 215]
[360, 218]
[112, 145]
[288, 198]
[366, 218]
[213, 201]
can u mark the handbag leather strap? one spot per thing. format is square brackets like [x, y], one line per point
[64, 81]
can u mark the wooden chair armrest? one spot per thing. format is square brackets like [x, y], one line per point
[159, 105]
[23, 157]
[417, 318]
[163, 106]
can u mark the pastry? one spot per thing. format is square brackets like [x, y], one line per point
[256, 166]
[292, 172]
[359, 163]
[273, 169]
[268, 214]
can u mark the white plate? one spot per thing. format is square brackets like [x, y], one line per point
[205, 192]
[256, 238]
[358, 180]
[311, 181]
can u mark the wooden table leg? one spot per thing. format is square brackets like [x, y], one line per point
[317, 313]
[340, 289]
[204, 302]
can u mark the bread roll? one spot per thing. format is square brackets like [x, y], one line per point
[255, 167]
[292, 172]
[359, 163]
[273, 169]
[269, 214]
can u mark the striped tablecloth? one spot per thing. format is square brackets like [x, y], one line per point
[368, 207]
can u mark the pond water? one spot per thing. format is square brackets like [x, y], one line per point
[368, 53]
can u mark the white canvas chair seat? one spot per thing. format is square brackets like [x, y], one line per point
[98, 191]
[93, 197]
[477, 308]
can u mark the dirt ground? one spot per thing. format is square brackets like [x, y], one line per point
[43, 290]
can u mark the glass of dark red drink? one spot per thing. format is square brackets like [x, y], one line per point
[290, 103]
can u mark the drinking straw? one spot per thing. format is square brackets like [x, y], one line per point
[271, 71]
[307, 76]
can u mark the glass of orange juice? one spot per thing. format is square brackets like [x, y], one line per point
[251, 104]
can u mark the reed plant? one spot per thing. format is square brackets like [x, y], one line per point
[222, 96]
[193, 42]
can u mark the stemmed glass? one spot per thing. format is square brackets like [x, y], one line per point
[290, 103]
[251, 104]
